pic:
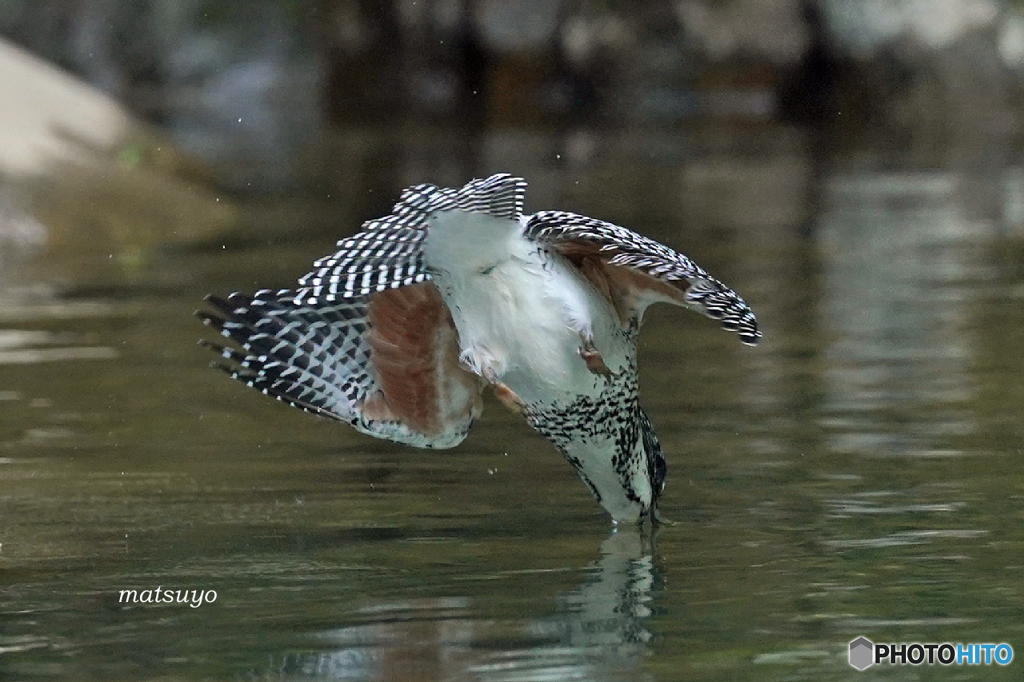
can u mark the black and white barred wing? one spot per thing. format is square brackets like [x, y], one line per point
[634, 271]
[388, 251]
[387, 364]
[367, 338]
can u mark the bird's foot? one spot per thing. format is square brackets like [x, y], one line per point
[592, 356]
[503, 393]
[509, 398]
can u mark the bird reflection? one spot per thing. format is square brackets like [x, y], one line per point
[598, 631]
[607, 612]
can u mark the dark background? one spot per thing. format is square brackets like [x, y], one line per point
[905, 71]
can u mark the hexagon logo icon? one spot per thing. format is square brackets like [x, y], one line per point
[862, 652]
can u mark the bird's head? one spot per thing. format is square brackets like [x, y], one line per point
[656, 465]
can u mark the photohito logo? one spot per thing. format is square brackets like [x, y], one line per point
[864, 653]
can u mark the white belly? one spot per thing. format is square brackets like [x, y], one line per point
[519, 312]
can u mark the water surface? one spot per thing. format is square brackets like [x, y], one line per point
[858, 473]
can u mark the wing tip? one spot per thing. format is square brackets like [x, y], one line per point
[747, 327]
[750, 339]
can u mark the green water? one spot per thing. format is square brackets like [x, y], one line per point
[858, 473]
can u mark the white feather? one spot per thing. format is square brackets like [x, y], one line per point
[519, 310]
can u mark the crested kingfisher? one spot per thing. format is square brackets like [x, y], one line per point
[401, 329]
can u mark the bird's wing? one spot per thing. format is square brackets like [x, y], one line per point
[367, 338]
[388, 252]
[386, 363]
[634, 271]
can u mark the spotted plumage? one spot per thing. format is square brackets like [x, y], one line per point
[398, 332]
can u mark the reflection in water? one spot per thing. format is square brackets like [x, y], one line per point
[605, 616]
[898, 260]
[23, 347]
[598, 632]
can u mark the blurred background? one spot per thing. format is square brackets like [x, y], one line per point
[853, 168]
[337, 104]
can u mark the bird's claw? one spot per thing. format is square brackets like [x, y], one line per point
[509, 398]
[592, 356]
[504, 394]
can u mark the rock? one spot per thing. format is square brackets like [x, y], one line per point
[47, 115]
[78, 172]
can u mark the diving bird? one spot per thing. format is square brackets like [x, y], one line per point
[400, 330]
